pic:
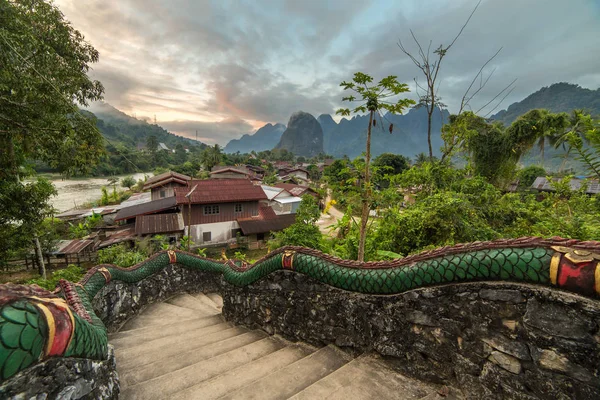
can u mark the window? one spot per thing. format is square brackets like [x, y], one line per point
[237, 208]
[206, 237]
[210, 210]
[162, 194]
[260, 236]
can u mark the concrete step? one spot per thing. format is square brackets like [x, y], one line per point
[216, 298]
[206, 300]
[146, 354]
[176, 381]
[366, 377]
[159, 337]
[142, 321]
[244, 375]
[152, 332]
[190, 302]
[166, 309]
[163, 366]
[293, 378]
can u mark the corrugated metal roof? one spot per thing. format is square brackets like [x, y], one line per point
[158, 223]
[138, 198]
[118, 237]
[271, 191]
[543, 184]
[150, 207]
[286, 200]
[296, 190]
[72, 246]
[213, 191]
[164, 178]
[250, 226]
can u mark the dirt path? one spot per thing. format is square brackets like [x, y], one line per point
[331, 218]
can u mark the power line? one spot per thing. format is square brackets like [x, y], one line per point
[77, 111]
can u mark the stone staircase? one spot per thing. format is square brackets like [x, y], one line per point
[184, 349]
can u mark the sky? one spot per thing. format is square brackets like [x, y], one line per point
[227, 67]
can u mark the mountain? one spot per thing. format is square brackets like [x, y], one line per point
[303, 136]
[328, 125]
[265, 138]
[119, 127]
[409, 135]
[559, 97]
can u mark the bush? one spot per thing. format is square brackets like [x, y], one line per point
[120, 255]
[72, 273]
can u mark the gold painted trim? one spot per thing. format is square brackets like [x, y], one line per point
[554, 268]
[62, 303]
[51, 327]
[597, 278]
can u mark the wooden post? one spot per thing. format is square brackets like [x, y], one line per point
[189, 235]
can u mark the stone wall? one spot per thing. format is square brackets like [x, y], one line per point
[65, 379]
[117, 302]
[491, 340]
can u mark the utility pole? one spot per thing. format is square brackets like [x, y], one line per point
[189, 197]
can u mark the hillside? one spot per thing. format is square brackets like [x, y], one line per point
[559, 97]
[119, 127]
[266, 138]
[303, 136]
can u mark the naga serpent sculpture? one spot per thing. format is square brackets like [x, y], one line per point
[36, 324]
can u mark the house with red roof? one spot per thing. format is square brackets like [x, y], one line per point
[162, 186]
[212, 208]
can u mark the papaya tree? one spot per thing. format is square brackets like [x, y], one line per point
[372, 99]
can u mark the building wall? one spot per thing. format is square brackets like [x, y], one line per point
[299, 174]
[169, 191]
[220, 232]
[226, 212]
[229, 175]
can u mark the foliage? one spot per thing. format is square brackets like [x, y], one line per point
[201, 252]
[585, 130]
[23, 207]
[304, 232]
[528, 175]
[185, 243]
[72, 273]
[128, 182]
[120, 255]
[211, 156]
[387, 165]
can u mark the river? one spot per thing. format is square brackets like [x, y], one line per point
[74, 192]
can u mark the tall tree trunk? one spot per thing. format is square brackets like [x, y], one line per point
[40, 257]
[429, 114]
[364, 216]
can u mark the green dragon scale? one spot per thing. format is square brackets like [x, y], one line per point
[36, 324]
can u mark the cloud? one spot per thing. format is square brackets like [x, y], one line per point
[224, 67]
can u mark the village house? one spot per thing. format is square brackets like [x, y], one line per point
[163, 185]
[542, 184]
[233, 172]
[215, 206]
[280, 200]
[212, 210]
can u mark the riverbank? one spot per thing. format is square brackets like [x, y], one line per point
[75, 192]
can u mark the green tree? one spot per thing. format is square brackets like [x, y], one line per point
[372, 99]
[128, 182]
[211, 156]
[42, 80]
[303, 232]
[180, 154]
[386, 165]
[528, 175]
[152, 144]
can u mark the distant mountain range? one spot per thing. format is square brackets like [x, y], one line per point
[559, 97]
[120, 128]
[266, 138]
[409, 136]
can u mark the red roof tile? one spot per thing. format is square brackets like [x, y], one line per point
[220, 191]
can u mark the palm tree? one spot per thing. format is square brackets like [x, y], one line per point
[539, 127]
[211, 156]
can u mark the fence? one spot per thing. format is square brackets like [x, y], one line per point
[51, 261]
